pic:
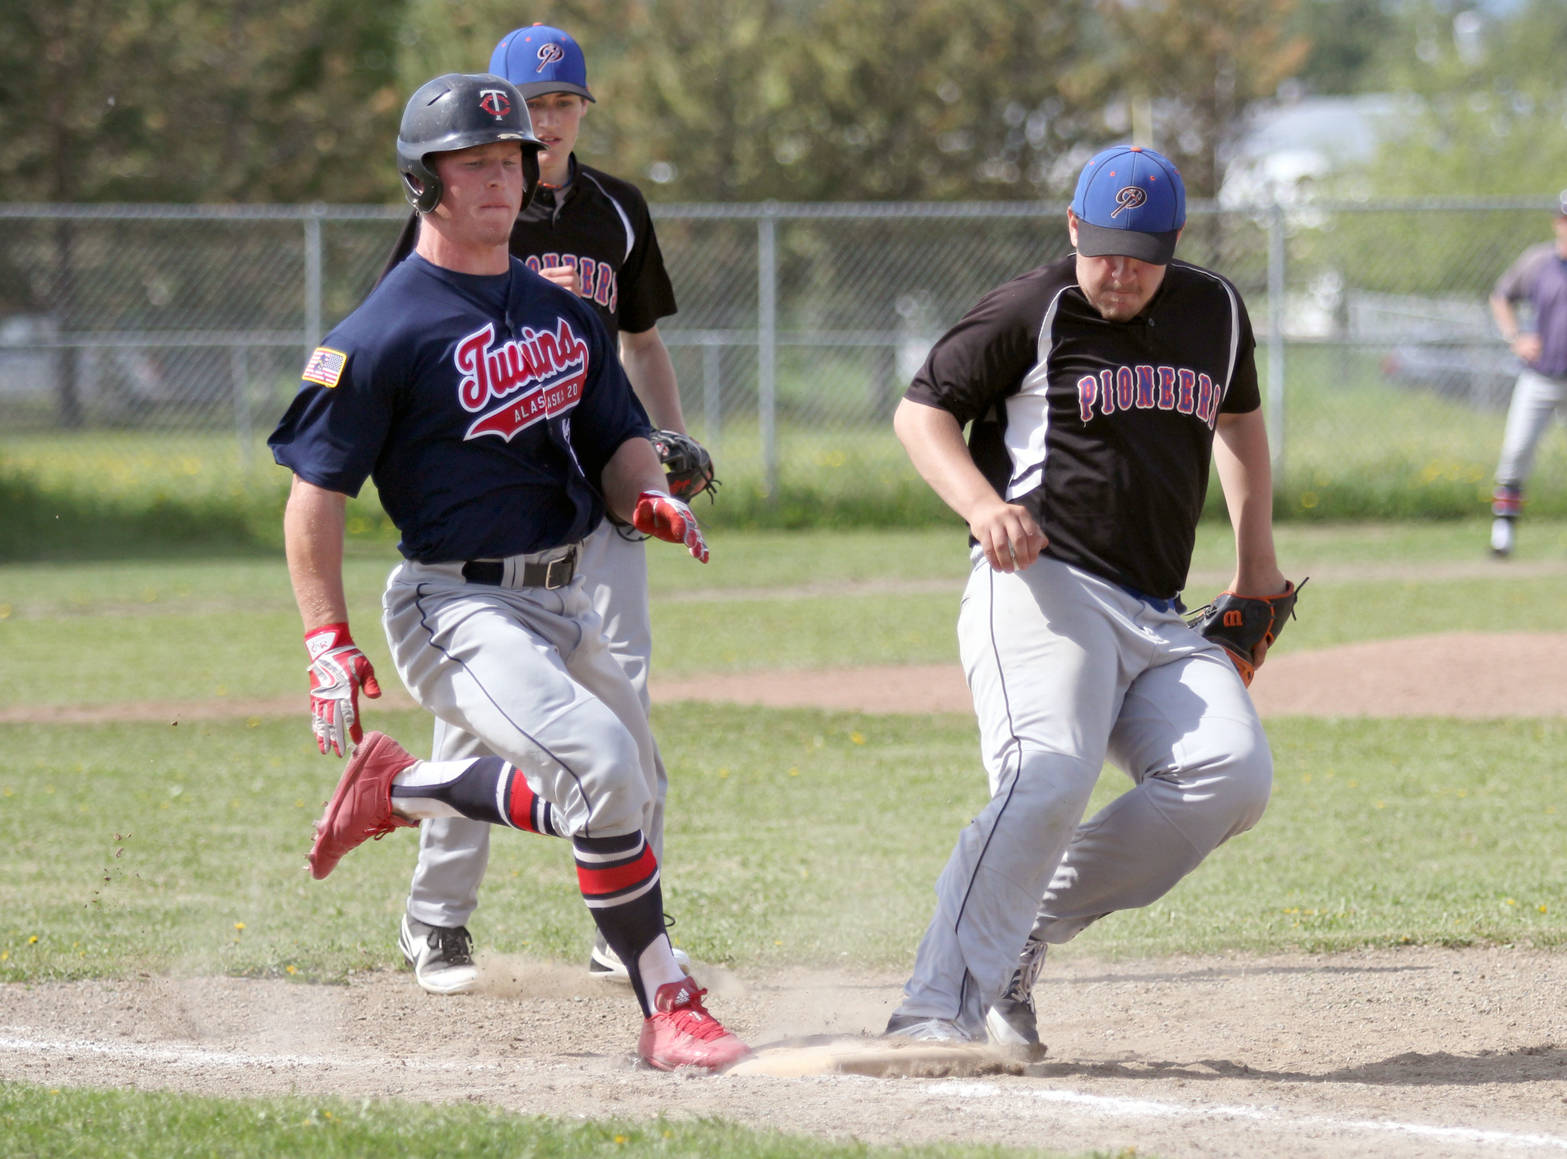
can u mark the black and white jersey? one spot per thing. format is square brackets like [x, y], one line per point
[1102, 430]
[600, 225]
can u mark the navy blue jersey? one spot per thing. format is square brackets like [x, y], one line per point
[600, 225]
[483, 407]
[1103, 430]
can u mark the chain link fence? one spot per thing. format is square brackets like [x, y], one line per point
[138, 339]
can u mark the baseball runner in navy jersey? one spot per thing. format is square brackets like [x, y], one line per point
[592, 234]
[498, 426]
[1538, 279]
[1092, 389]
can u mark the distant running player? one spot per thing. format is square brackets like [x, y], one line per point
[1538, 279]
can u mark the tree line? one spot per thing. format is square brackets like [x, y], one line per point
[239, 101]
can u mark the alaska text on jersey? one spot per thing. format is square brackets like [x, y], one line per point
[546, 368]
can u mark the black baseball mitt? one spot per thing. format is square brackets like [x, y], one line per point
[1243, 623]
[687, 465]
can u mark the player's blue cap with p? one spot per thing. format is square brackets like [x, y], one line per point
[539, 59]
[1130, 202]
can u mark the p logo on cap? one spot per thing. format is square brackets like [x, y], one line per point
[539, 59]
[1130, 202]
[1131, 197]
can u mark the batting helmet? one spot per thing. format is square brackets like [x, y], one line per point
[457, 111]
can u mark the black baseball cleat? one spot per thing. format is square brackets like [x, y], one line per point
[1012, 1024]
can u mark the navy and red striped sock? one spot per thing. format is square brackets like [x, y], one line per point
[484, 789]
[619, 880]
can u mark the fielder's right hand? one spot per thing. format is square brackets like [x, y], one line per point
[1007, 534]
[338, 670]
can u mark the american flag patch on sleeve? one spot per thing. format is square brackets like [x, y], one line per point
[325, 366]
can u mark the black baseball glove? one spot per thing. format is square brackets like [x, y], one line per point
[687, 465]
[1243, 624]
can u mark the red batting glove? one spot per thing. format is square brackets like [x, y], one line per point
[662, 516]
[338, 670]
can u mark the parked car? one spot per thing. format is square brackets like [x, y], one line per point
[1478, 373]
[41, 379]
[27, 364]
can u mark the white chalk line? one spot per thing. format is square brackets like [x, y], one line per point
[200, 1056]
[1153, 1108]
[1115, 1105]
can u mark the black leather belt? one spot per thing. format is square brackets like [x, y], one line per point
[556, 573]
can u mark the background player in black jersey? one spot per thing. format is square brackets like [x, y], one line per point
[1094, 387]
[490, 410]
[592, 234]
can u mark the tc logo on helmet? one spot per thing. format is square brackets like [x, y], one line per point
[550, 54]
[495, 102]
[1129, 197]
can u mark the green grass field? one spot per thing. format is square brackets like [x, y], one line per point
[1355, 447]
[85, 1124]
[146, 846]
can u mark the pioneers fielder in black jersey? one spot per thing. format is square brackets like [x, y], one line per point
[1097, 390]
[1104, 430]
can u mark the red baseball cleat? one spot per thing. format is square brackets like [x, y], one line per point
[361, 806]
[682, 1033]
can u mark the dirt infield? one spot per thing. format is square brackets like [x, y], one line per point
[1422, 1052]
[1460, 674]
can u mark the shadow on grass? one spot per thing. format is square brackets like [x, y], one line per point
[44, 525]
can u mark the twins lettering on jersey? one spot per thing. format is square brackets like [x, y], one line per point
[535, 376]
[1146, 388]
[598, 280]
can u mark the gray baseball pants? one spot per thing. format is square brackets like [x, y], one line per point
[454, 852]
[1068, 670]
[1536, 399]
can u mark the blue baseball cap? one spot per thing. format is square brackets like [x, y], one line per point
[1130, 202]
[539, 59]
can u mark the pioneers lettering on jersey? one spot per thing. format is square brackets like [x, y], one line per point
[596, 281]
[325, 366]
[546, 368]
[1148, 387]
